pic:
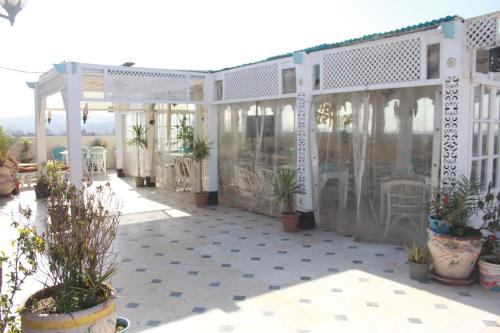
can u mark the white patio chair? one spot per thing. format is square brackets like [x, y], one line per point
[97, 160]
[86, 160]
[182, 173]
[405, 200]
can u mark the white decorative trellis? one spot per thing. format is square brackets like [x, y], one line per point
[258, 81]
[145, 86]
[301, 144]
[388, 62]
[449, 148]
[482, 32]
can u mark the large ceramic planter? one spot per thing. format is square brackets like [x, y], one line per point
[419, 272]
[139, 181]
[6, 181]
[290, 221]
[439, 225]
[453, 257]
[201, 199]
[489, 274]
[98, 319]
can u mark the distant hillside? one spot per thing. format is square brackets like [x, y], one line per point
[102, 124]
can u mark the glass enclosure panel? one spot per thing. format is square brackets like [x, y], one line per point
[477, 102]
[254, 141]
[375, 157]
[496, 172]
[196, 88]
[496, 139]
[484, 173]
[289, 81]
[485, 105]
[497, 107]
[475, 139]
[485, 128]
[433, 61]
[317, 77]
[474, 170]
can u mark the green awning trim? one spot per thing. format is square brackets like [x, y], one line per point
[367, 38]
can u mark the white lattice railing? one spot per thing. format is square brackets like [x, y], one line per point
[146, 86]
[482, 32]
[256, 81]
[379, 63]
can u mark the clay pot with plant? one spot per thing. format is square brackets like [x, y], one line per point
[286, 188]
[456, 248]
[139, 140]
[419, 260]
[201, 151]
[77, 262]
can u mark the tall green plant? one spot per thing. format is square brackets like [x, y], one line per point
[201, 151]
[185, 134]
[286, 187]
[6, 141]
[25, 150]
[139, 140]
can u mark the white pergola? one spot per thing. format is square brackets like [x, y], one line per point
[120, 89]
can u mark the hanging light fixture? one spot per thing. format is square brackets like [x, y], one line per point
[11, 8]
[85, 112]
[49, 117]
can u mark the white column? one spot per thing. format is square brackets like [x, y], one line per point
[41, 139]
[74, 82]
[211, 124]
[119, 141]
[305, 133]
[455, 152]
[150, 136]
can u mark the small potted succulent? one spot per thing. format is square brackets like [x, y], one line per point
[455, 252]
[139, 140]
[286, 188]
[201, 151]
[419, 259]
[42, 185]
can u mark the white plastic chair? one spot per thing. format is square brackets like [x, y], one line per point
[405, 200]
[86, 160]
[182, 170]
[98, 160]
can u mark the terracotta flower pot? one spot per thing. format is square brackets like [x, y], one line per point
[489, 274]
[454, 257]
[6, 182]
[100, 318]
[201, 199]
[290, 221]
[139, 181]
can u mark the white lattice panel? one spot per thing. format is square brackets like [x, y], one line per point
[482, 32]
[396, 61]
[252, 82]
[145, 86]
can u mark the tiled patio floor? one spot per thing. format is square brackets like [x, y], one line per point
[225, 270]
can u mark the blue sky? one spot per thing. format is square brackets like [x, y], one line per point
[191, 34]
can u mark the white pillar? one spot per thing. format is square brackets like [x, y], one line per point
[305, 134]
[150, 137]
[74, 82]
[119, 141]
[455, 154]
[41, 139]
[211, 124]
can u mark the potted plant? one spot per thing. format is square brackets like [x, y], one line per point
[201, 151]
[419, 259]
[6, 182]
[489, 262]
[17, 266]
[286, 188]
[185, 134]
[25, 150]
[77, 262]
[139, 140]
[455, 253]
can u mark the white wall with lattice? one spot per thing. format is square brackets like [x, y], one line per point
[388, 61]
[482, 32]
[253, 81]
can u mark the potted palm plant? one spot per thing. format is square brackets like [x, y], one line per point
[139, 140]
[456, 248]
[6, 182]
[419, 259]
[25, 150]
[77, 262]
[201, 151]
[286, 188]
